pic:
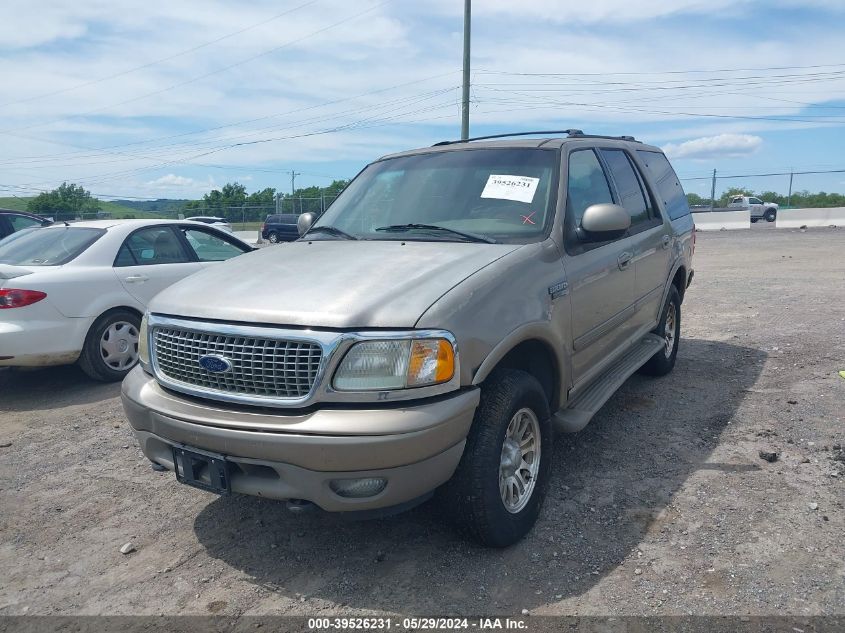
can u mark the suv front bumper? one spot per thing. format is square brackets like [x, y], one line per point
[295, 455]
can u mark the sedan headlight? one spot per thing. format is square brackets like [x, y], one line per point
[143, 344]
[396, 364]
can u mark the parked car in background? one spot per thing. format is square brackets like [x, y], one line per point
[280, 227]
[220, 223]
[12, 221]
[452, 306]
[759, 209]
[75, 293]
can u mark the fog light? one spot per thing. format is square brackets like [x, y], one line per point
[358, 488]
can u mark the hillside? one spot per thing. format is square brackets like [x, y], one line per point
[116, 209]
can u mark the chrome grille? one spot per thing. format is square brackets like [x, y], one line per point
[260, 366]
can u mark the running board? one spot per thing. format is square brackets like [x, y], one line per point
[585, 405]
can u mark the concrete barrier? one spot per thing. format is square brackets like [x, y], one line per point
[718, 220]
[796, 218]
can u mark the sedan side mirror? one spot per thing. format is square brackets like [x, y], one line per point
[304, 222]
[604, 222]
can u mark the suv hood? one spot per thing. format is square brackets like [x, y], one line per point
[329, 283]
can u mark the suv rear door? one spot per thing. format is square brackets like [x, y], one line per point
[650, 235]
[601, 274]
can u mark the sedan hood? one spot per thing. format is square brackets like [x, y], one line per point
[330, 283]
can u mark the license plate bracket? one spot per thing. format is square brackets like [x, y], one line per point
[206, 471]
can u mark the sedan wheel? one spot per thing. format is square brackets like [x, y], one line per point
[111, 347]
[119, 345]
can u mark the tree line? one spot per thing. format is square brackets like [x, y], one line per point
[799, 199]
[233, 203]
[70, 201]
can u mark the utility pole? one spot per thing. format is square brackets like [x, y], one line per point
[713, 191]
[789, 196]
[293, 175]
[465, 96]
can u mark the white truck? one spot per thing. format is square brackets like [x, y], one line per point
[759, 209]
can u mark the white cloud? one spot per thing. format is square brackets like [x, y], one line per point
[180, 186]
[161, 129]
[720, 146]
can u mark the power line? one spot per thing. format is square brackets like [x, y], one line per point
[157, 61]
[203, 76]
[782, 173]
[658, 72]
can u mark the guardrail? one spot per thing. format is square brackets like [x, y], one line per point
[796, 218]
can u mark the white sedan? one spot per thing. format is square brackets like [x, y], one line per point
[75, 293]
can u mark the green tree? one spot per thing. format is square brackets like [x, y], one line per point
[66, 202]
[695, 199]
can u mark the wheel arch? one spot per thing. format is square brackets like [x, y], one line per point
[533, 354]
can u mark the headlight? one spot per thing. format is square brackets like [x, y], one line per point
[143, 344]
[396, 364]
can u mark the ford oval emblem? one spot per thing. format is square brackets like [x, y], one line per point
[215, 364]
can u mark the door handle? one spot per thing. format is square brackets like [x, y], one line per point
[666, 240]
[624, 260]
[133, 279]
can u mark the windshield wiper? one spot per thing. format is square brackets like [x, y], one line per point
[473, 237]
[332, 230]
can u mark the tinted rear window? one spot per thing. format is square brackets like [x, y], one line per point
[668, 186]
[286, 218]
[47, 247]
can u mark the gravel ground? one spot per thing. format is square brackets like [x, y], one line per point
[662, 505]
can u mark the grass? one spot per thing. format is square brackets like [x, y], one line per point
[116, 210]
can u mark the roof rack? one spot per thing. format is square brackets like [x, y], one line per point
[571, 133]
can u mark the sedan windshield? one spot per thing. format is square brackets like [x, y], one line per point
[480, 195]
[48, 246]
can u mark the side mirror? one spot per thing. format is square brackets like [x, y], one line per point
[604, 222]
[304, 222]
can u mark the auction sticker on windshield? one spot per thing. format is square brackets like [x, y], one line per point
[519, 188]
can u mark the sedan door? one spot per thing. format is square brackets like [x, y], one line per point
[151, 259]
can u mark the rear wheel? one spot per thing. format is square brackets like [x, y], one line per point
[499, 486]
[273, 237]
[669, 329]
[753, 220]
[111, 347]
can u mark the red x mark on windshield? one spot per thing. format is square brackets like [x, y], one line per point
[526, 219]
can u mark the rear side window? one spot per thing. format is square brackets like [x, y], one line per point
[154, 245]
[631, 194]
[668, 186]
[20, 222]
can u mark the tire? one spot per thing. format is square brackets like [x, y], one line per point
[754, 220]
[664, 360]
[475, 496]
[114, 334]
[770, 215]
[273, 237]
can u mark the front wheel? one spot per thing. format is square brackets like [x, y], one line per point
[499, 486]
[669, 329]
[770, 215]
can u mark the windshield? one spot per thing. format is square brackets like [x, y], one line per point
[47, 247]
[506, 195]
